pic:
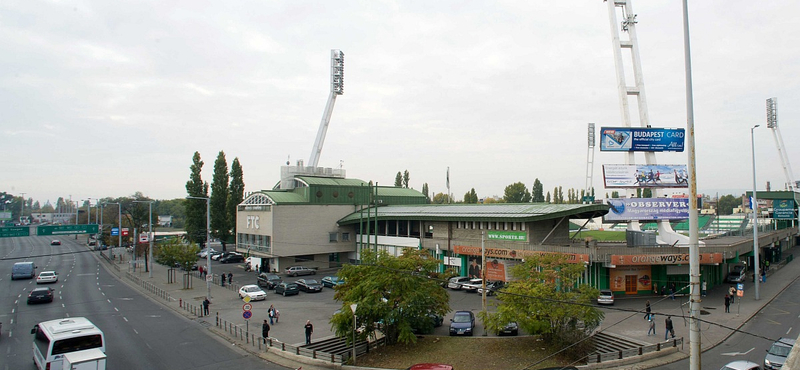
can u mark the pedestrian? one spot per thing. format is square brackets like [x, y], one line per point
[672, 292]
[265, 331]
[663, 290]
[230, 278]
[652, 326]
[764, 276]
[647, 310]
[277, 316]
[766, 265]
[727, 303]
[732, 292]
[668, 328]
[309, 331]
[703, 289]
[256, 268]
[222, 279]
[206, 302]
[271, 313]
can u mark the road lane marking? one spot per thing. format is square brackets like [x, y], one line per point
[788, 331]
[116, 309]
[134, 330]
[737, 353]
[125, 318]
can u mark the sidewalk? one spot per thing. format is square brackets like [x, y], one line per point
[626, 324]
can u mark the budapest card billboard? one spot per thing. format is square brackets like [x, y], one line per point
[643, 139]
[645, 176]
[647, 209]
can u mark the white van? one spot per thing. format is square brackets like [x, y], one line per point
[23, 270]
[54, 339]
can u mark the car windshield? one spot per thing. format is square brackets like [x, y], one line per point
[46, 274]
[311, 282]
[251, 289]
[780, 350]
[461, 318]
[291, 286]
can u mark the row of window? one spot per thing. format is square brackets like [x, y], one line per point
[481, 225]
[334, 237]
[254, 242]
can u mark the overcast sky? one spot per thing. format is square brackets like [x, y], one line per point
[107, 98]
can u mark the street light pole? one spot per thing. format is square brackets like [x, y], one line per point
[353, 307]
[754, 205]
[208, 239]
[150, 238]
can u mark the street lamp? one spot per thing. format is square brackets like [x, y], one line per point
[119, 231]
[754, 205]
[353, 307]
[208, 239]
[150, 238]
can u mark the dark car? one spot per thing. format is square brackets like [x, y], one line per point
[737, 275]
[232, 258]
[308, 285]
[511, 328]
[427, 323]
[268, 281]
[42, 294]
[287, 289]
[332, 281]
[462, 323]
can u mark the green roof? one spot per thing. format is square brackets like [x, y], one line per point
[284, 197]
[522, 212]
[330, 181]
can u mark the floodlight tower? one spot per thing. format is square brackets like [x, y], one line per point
[589, 165]
[337, 88]
[772, 122]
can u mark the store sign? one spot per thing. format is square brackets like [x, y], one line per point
[783, 209]
[516, 254]
[508, 235]
[645, 176]
[624, 209]
[252, 222]
[664, 259]
[642, 139]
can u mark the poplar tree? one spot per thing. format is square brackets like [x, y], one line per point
[220, 227]
[235, 193]
[196, 208]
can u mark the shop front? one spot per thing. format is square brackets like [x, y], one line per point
[657, 273]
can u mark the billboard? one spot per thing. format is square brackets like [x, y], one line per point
[647, 209]
[783, 209]
[643, 139]
[645, 176]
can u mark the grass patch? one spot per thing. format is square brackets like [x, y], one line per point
[603, 236]
[464, 353]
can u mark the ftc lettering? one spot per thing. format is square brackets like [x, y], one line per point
[252, 222]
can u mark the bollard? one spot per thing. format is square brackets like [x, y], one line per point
[180, 302]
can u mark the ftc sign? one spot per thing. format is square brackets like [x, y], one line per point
[252, 222]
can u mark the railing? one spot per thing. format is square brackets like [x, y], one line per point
[596, 358]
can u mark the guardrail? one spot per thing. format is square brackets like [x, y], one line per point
[596, 358]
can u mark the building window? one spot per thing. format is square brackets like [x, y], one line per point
[522, 226]
[333, 237]
[345, 237]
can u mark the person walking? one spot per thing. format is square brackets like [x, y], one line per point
[206, 302]
[265, 331]
[230, 278]
[271, 314]
[703, 289]
[668, 328]
[727, 303]
[222, 279]
[732, 293]
[277, 316]
[652, 326]
[672, 291]
[309, 331]
[647, 310]
[766, 265]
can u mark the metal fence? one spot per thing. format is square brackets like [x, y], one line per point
[596, 358]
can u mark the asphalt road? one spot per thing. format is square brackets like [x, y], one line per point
[777, 319]
[140, 334]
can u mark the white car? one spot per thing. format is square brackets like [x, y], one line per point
[741, 365]
[472, 286]
[253, 291]
[47, 277]
[456, 282]
[204, 252]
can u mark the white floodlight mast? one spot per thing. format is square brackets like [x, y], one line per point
[772, 123]
[337, 88]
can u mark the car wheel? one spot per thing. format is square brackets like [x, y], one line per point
[284, 294]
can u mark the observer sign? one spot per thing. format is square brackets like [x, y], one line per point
[647, 209]
[630, 139]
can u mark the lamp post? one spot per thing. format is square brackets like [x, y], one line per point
[150, 238]
[208, 239]
[754, 205]
[353, 307]
[119, 230]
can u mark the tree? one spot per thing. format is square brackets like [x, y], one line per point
[235, 193]
[517, 193]
[220, 219]
[425, 192]
[614, 194]
[175, 252]
[195, 208]
[647, 193]
[471, 197]
[727, 203]
[398, 180]
[441, 198]
[547, 299]
[560, 195]
[547, 199]
[406, 179]
[537, 192]
[394, 295]
[138, 216]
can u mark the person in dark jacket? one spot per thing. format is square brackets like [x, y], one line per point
[669, 329]
[222, 279]
[647, 310]
[265, 331]
[309, 331]
[206, 302]
[727, 303]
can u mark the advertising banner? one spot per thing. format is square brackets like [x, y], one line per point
[508, 235]
[664, 259]
[515, 254]
[630, 279]
[645, 176]
[642, 139]
[783, 209]
[645, 209]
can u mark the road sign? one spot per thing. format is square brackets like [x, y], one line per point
[247, 307]
[9, 232]
[209, 277]
[124, 231]
[66, 229]
[114, 231]
[246, 299]
[739, 286]
[247, 315]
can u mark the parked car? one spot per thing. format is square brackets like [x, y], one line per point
[427, 323]
[232, 258]
[268, 281]
[203, 252]
[300, 270]
[47, 277]
[456, 282]
[777, 353]
[430, 367]
[332, 281]
[215, 255]
[462, 323]
[253, 291]
[41, 294]
[511, 328]
[737, 275]
[308, 285]
[492, 287]
[741, 365]
[55, 242]
[287, 289]
[472, 285]
[606, 296]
